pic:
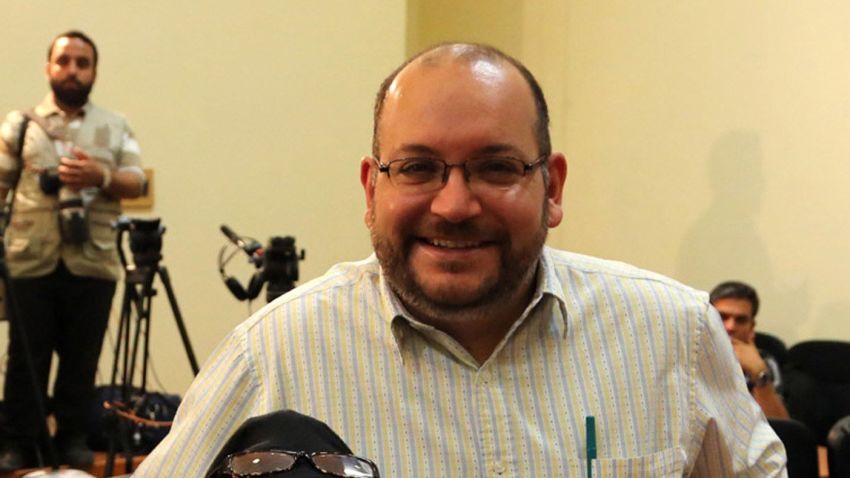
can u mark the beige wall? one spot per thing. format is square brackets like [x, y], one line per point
[493, 21]
[252, 114]
[706, 140]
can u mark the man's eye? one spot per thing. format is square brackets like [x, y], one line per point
[418, 167]
[498, 166]
[499, 171]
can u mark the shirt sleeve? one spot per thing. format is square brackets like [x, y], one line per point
[219, 400]
[130, 158]
[10, 164]
[736, 439]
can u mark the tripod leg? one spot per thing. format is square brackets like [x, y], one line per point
[112, 424]
[172, 299]
[146, 337]
[142, 304]
[123, 327]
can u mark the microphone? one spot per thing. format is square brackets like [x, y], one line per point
[251, 248]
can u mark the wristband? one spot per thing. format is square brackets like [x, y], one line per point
[761, 379]
[107, 177]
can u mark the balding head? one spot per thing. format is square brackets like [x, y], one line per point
[478, 56]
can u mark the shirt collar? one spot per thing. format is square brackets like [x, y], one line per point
[48, 107]
[549, 283]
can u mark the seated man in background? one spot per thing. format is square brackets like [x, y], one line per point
[464, 347]
[738, 304]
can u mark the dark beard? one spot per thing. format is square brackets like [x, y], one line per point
[71, 92]
[516, 272]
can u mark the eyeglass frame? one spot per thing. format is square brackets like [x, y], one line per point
[226, 467]
[526, 167]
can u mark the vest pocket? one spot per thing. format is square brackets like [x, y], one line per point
[101, 244]
[30, 234]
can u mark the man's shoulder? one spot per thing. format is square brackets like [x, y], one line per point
[15, 116]
[344, 276]
[579, 268]
[103, 115]
[10, 128]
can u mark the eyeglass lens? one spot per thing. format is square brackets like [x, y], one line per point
[257, 463]
[267, 462]
[344, 465]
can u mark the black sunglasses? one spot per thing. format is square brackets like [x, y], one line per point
[260, 463]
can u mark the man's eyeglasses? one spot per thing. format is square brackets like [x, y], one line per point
[430, 174]
[260, 463]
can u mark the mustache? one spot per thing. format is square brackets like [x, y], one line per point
[445, 228]
[72, 80]
[466, 230]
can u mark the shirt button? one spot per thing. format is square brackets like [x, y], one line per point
[498, 468]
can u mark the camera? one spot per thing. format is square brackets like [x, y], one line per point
[280, 266]
[277, 266]
[72, 217]
[145, 240]
[72, 209]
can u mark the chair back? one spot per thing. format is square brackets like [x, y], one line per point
[817, 384]
[839, 449]
[800, 447]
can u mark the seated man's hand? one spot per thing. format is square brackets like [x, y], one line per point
[749, 357]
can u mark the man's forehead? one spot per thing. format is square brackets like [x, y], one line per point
[483, 68]
[71, 45]
[733, 305]
[437, 91]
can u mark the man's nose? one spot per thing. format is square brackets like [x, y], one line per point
[729, 324]
[455, 201]
[73, 69]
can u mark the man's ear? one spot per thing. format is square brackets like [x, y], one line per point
[368, 174]
[557, 167]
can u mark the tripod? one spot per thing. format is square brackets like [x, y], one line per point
[133, 335]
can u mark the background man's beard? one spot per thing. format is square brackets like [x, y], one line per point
[73, 96]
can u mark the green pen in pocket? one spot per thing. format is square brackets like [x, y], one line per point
[590, 443]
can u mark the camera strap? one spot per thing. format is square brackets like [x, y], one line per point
[19, 155]
[28, 116]
[52, 133]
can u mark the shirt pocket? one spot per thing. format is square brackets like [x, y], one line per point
[665, 463]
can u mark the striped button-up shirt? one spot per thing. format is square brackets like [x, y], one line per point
[647, 357]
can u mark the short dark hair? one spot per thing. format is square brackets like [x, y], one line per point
[735, 290]
[74, 34]
[473, 51]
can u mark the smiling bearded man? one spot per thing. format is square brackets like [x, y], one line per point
[464, 347]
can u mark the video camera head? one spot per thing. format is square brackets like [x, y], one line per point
[280, 266]
[145, 240]
[277, 264]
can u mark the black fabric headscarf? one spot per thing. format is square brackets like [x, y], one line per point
[282, 430]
